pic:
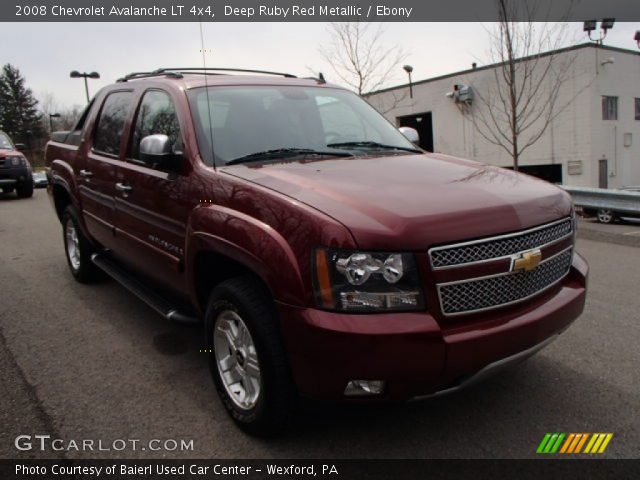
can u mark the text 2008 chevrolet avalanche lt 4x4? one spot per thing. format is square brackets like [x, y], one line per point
[327, 255]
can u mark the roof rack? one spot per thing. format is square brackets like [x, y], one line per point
[179, 72]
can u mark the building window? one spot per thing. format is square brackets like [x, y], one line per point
[637, 108]
[609, 108]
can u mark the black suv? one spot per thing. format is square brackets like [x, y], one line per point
[15, 171]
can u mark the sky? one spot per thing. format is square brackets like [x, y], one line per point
[45, 53]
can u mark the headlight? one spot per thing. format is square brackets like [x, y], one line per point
[366, 281]
[15, 161]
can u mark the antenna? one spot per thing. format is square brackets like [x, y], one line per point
[206, 88]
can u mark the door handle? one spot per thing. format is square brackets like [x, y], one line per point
[86, 173]
[123, 188]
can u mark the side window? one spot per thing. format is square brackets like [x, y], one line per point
[111, 122]
[156, 114]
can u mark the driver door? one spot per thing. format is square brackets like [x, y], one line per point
[151, 204]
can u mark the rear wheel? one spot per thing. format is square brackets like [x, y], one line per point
[78, 249]
[606, 216]
[247, 358]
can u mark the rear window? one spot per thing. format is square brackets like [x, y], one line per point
[111, 122]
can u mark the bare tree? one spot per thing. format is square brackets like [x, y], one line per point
[359, 58]
[516, 110]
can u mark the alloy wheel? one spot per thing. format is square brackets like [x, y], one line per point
[73, 244]
[237, 359]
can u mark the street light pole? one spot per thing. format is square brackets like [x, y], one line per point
[409, 69]
[77, 74]
[605, 25]
[51, 117]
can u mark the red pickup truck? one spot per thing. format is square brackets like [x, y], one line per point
[326, 255]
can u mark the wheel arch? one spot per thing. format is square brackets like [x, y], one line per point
[240, 245]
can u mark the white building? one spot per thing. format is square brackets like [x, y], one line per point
[594, 141]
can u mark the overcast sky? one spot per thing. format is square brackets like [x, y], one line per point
[47, 52]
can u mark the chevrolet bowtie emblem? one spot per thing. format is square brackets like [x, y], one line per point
[526, 261]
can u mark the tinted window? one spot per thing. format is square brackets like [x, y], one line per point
[111, 122]
[156, 114]
[637, 108]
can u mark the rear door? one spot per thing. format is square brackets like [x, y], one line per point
[98, 177]
[152, 203]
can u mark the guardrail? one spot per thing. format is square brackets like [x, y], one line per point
[611, 199]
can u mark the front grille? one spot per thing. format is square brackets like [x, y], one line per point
[502, 246]
[491, 292]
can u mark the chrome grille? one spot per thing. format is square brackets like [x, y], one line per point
[502, 246]
[499, 290]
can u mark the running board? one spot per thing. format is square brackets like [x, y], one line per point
[156, 301]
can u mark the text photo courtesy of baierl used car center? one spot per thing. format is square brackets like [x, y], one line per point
[333, 239]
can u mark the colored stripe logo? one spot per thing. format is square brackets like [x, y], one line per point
[553, 443]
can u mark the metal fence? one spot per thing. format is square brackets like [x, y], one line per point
[611, 199]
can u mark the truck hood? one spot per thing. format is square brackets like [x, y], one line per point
[414, 201]
[6, 152]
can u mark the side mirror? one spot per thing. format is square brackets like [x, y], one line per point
[20, 147]
[410, 134]
[155, 151]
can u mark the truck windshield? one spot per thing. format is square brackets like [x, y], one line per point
[239, 123]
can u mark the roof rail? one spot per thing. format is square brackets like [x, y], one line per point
[178, 72]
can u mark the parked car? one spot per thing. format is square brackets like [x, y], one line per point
[40, 180]
[610, 215]
[327, 256]
[15, 170]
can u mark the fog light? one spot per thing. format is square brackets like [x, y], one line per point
[358, 388]
[351, 300]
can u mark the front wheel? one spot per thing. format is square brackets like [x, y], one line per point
[247, 358]
[606, 216]
[26, 189]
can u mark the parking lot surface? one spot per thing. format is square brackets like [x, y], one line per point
[93, 362]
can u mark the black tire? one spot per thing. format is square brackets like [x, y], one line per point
[251, 301]
[25, 190]
[85, 270]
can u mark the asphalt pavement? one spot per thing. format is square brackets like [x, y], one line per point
[94, 363]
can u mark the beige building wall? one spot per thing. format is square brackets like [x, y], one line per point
[576, 139]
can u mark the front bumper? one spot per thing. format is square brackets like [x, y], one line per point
[413, 353]
[14, 176]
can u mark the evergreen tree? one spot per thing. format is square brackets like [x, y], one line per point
[19, 116]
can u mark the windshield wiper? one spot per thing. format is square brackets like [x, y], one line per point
[377, 145]
[285, 152]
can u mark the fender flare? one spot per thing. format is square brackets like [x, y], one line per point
[247, 241]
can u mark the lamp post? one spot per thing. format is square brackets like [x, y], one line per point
[409, 69]
[605, 25]
[77, 74]
[51, 117]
